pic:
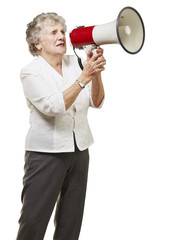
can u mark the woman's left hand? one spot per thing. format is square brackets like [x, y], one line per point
[95, 62]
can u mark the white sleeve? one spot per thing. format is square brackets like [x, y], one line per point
[47, 100]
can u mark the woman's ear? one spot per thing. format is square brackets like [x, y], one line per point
[38, 46]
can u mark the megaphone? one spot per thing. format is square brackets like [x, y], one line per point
[127, 30]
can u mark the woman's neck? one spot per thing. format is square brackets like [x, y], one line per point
[54, 61]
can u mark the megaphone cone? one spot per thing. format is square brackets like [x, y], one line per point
[127, 30]
[133, 39]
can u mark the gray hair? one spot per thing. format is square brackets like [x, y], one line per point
[35, 29]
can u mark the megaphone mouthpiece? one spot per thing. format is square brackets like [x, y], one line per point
[82, 36]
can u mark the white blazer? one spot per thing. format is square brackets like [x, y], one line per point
[51, 126]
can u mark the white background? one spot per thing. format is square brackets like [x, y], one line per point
[133, 176]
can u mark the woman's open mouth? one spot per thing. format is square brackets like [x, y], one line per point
[60, 44]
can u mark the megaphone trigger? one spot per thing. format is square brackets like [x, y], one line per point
[91, 48]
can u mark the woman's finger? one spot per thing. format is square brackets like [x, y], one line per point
[89, 54]
[96, 56]
[100, 60]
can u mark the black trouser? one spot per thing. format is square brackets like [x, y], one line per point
[51, 178]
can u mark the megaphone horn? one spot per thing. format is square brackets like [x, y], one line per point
[127, 30]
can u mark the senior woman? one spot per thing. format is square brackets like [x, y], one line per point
[58, 94]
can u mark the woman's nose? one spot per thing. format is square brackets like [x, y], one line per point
[60, 36]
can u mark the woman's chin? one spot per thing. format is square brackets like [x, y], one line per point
[61, 50]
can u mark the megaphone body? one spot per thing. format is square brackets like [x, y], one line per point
[127, 30]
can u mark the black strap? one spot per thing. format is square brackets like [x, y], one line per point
[79, 60]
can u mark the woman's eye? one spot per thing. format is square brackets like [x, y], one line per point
[54, 32]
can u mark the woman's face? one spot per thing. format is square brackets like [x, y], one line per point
[53, 42]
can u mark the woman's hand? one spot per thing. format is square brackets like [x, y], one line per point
[94, 64]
